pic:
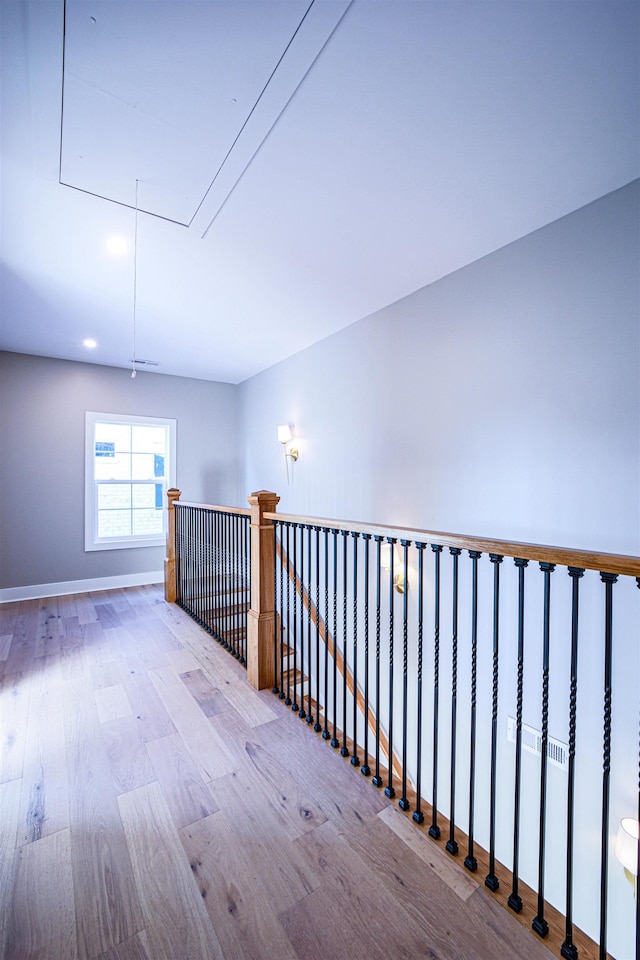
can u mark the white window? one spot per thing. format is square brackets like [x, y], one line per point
[130, 464]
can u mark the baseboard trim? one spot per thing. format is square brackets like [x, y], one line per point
[39, 591]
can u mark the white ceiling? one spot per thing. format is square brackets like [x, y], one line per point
[300, 163]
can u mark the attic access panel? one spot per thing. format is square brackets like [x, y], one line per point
[161, 92]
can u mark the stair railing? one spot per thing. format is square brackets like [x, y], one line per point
[494, 699]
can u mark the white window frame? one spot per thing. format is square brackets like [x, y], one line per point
[91, 539]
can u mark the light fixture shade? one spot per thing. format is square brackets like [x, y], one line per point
[284, 433]
[627, 844]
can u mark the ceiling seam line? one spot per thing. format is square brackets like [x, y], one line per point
[239, 134]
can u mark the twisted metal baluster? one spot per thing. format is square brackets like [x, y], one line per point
[515, 900]
[309, 716]
[491, 880]
[418, 815]
[389, 789]
[344, 749]
[470, 860]
[317, 726]
[355, 759]
[325, 732]
[451, 845]
[608, 579]
[365, 769]
[434, 829]
[403, 802]
[377, 779]
[334, 740]
[539, 923]
[277, 689]
[569, 950]
[294, 704]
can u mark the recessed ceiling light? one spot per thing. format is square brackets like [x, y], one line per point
[89, 343]
[117, 246]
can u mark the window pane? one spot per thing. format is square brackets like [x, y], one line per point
[114, 496]
[114, 523]
[116, 433]
[148, 439]
[144, 495]
[117, 467]
[142, 466]
[147, 522]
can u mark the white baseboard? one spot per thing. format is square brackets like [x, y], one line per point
[40, 590]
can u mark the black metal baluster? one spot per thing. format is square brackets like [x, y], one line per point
[317, 727]
[608, 579]
[233, 521]
[355, 759]
[365, 768]
[287, 560]
[451, 845]
[569, 950]
[294, 699]
[491, 880]
[325, 732]
[638, 848]
[389, 789]
[418, 815]
[515, 900]
[301, 710]
[377, 779]
[539, 923]
[277, 537]
[335, 743]
[403, 802]
[344, 749]
[309, 716]
[225, 587]
[434, 829]
[470, 860]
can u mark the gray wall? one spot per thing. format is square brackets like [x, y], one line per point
[502, 400]
[42, 417]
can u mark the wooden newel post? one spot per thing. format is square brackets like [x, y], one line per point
[170, 559]
[261, 618]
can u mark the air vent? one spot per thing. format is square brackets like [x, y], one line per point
[557, 751]
[147, 363]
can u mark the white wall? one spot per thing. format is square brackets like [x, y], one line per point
[501, 400]
[42, 422]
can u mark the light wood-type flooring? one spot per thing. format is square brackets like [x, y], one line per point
[153, 806]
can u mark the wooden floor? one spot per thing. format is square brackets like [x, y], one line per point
[154, 807]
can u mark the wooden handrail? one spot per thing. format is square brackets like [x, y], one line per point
[238, 511]
[568, 557]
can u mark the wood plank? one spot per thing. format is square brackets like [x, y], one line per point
[5, 643]
[44, 807]
[42, 922]
[176, 921]
[430, 853]
[112, 703]
[15, 691]
[128, 758]
[279, 864]
[248, 702]
[236, 900]
[188, 798]
[107, 905]
[9, 815]
[209, 751]
[210, 699]
[181, 661]
[132, 949]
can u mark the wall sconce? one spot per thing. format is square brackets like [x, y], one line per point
[627, 850]
[290, 450]
[385, 563]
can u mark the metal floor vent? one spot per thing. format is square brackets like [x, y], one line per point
[557, 751]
